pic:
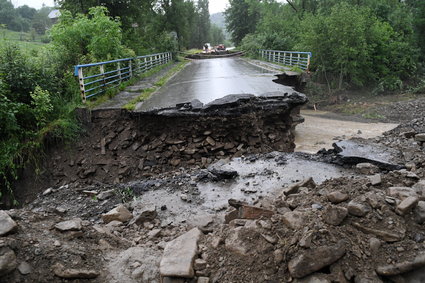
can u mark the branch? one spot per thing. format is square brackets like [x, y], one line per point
[292, 5]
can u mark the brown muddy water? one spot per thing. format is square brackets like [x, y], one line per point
[319, 132]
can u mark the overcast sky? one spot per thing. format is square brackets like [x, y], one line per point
[215, 5]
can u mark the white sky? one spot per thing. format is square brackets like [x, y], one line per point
[215, 5]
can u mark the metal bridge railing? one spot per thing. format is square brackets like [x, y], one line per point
[287, 58]
[96, 78]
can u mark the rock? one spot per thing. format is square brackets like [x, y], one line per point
[203, 280]
[367, 168]
[105, 194]
[143, 213]
[419, 212]
[70, 225]
[294, 219]
[337, 197]
[334, 215]
[47, 191]
[407, 205]
[420, 188]
[401, 192]
[387, 236]
[183, 197]
[278, 256]
[235, 243]
[375, 179]
[24, 268]
[402, 267]
[71, 273]
[7, 224]
[313, 260]
[359, 209]
[374, 245]
[314, 278]
[420, 137]
[119, 213]
[293, 189]
[7, 260]
[245, 211]
[253, 212]
[177, 260]
[199, 264]
[172, 280]
[154, 233]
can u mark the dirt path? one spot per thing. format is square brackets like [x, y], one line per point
[319, 131]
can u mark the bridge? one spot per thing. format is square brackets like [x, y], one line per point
[205, 80]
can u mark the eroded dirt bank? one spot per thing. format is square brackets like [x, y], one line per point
[119, 145]
[254, 218]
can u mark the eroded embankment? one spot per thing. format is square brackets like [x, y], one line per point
[120, 145]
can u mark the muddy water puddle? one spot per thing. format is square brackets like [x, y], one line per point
[258, 179]
[319, 132]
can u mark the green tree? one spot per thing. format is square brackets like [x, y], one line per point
[241, 19]
[92, 37]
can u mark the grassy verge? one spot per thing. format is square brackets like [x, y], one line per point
[114, 91]
[147, 92]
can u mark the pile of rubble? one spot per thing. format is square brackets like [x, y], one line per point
[367, 227]
[121, 146]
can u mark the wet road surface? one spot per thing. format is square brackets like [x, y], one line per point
[209, 79]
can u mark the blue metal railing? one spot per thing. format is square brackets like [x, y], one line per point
[287, 58]
[96, 78]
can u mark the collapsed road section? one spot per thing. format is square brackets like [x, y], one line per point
[120, 145]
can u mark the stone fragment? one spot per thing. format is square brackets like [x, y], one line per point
[119, 213]
[105, 194]
[253, 212]
[314, 278]
[367, 168]
[374, 245]
[210, 140]
[334, 215]
[375, 179]
[357, 208]
[6, 223]
[69, 225]
[419, 212]
[172, 280]
[71, 273]
[402, 267]
[337, 197]
[177, 260]
[24, 268]
[294, 219]
[401, 192]
[313, 260]
[144, 213]
[7, 260]
[235, 243]
[294, 188]
[203, 280]
[387, 236]
[407, 205]
[420, 137]
[154, 233]
[420, 188]
[199, 264]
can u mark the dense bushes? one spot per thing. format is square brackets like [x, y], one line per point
[371, 43]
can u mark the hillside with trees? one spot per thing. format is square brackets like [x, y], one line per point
[377, 44]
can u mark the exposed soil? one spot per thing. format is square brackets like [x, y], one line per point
[350, 223]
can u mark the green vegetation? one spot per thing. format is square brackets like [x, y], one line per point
[377, 44]
[147, 92]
